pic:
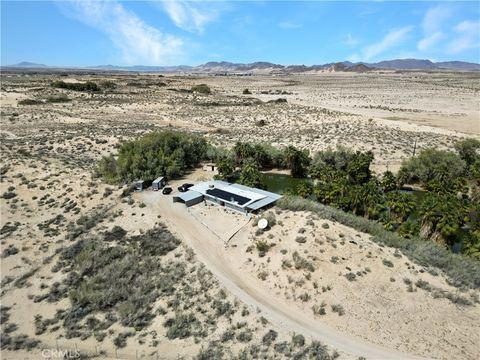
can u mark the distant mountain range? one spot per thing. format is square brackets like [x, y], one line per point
[267, 67]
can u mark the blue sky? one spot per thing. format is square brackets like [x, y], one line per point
[85, 32]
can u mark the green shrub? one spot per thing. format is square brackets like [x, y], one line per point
[167, 153]
[432, 165]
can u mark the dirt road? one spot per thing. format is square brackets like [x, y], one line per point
[208, 251]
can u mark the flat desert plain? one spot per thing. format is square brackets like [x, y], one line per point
[321, 291]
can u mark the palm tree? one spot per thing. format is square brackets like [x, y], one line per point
[297, 161]
[250, 175]
[442, 216]
[401, 205]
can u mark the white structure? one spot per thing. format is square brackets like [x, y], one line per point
[233, 196]
[158, 183]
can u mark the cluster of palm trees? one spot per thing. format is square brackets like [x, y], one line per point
[245, 161]
[447, 211]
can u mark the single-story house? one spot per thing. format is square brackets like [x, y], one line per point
[237, 197]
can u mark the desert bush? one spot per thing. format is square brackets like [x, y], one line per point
[301, 239]
[108, 84]
[422, 284]
[262, 247]
[180, 326]
[86, 86]
[298, 340]
[62, 98]
[245, 336]
[387, 263]
[18, 342]
[269, 337]
[117, 233]
[302, 263]
[246, 92]
[121, 340]
[227, 335]
[9, 195]
[29, 102]
[337, 308]
[9, 250]
[213, 351]
[201, 88]
[350, 276]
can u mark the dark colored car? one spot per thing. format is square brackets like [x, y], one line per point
[184, 187]
[166, 190]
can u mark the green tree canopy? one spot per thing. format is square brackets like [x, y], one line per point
[297, 161]
[167, 153]
[468, 150]
[250, 174]
[432, 165]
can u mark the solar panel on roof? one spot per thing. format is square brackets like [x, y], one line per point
[227, 196]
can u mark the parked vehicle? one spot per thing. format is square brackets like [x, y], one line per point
[184, 187]
[167, 190]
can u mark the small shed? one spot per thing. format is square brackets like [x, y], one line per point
[158, 183]
[209, 167]
[189, 198]
[141, 185]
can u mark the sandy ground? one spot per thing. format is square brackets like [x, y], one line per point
[378, 307]
[49, 152]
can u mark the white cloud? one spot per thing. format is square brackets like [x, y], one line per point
[432, 24]
[392, 39]
[190, 16]
[467, 37]
[289, 25]
[434, 17]
[430, 40]
[137, 41]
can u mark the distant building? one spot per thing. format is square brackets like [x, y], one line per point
[236, 197]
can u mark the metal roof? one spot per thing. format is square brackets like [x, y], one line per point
[189, 195]
[204, 186]
[157, 180]
[261, 203]
[258, 191]
[237, 194]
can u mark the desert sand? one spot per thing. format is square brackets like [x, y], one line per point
[49, 151]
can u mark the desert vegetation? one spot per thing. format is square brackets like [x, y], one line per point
[88, 264]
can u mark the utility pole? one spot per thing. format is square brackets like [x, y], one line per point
[414, 148]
